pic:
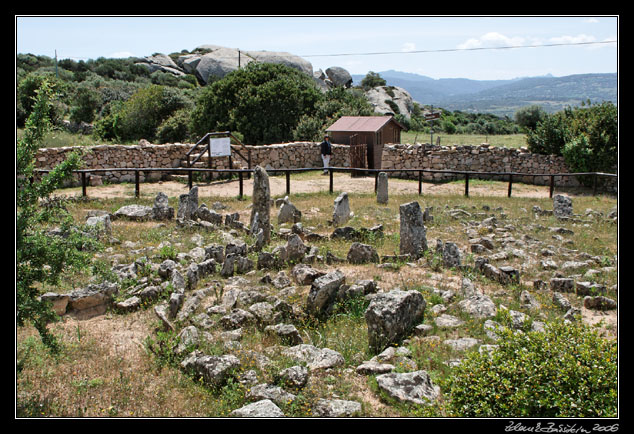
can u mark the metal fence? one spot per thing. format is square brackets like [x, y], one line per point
[189, 171]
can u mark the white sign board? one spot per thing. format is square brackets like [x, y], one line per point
[220, 147]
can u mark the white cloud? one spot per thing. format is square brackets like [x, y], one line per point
[492, 39]
[408, 46]
[591, 20]
[567, 39]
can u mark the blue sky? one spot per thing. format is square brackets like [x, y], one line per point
[90, 37]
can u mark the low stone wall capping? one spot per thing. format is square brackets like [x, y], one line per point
[306, 154]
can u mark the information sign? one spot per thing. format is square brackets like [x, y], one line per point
[220, 147]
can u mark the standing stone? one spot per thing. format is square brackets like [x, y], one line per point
[161, 209]
[413, 232]
[261, 203]
[341, 213]
[188, 204]
[381, 188]
[391, 316]
[562, 206]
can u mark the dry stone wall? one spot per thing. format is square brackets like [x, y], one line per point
[306, 154]
[483, 158]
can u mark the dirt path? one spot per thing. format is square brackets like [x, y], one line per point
[312, 184]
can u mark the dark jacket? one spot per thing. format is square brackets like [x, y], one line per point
[326, 148]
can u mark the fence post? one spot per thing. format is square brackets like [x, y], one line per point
[136, 184]
[241, 186]
[83, 184]
[190, 181]
[466, 185]
[510, 184]
[420, 182]
[288, 182]
[552, 185]
[330, 173]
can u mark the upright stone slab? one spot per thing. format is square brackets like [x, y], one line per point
[562, 206]
[161, 209]
[261, 203]
[413, 233]
[381, 188]
[188, 204]
[341, 213]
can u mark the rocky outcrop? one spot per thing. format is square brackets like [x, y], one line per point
[390, 100]
[211, 62]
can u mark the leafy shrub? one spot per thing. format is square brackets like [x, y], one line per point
[550, 135]
[586, 136]
[142, 114]
[175, 128]
[528, 117]
[566, 371]
[41, 258]
[87, 101]
[263, 101]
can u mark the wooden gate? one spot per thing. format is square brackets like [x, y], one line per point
[358, 156]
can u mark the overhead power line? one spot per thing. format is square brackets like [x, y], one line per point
[445, 50]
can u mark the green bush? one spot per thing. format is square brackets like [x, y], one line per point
[175, 128]
[586, 136]
[263, 101]
[550, 135]
[566, 371]
[141, 115]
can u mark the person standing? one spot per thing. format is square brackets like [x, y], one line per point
[326, 153]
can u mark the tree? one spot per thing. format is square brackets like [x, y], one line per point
[335, 103]
[528, 117]
[141, 115]
[86, 102]
[372, 79]
[262, 101]
[40, 257]
[586, 136]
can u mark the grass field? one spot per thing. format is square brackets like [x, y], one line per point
[502, 140]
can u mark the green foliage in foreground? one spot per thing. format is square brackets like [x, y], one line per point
[566, 371]
[41, 257]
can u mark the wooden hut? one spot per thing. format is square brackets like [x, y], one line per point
[373, 131]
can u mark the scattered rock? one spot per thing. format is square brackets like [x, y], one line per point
[391, 316]
[415, 387]
[336, 408]
[263, 409]
[315, 358]
[362, 254]
[323, 292]
[214, 370]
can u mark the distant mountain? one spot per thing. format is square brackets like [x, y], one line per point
[504, 97]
